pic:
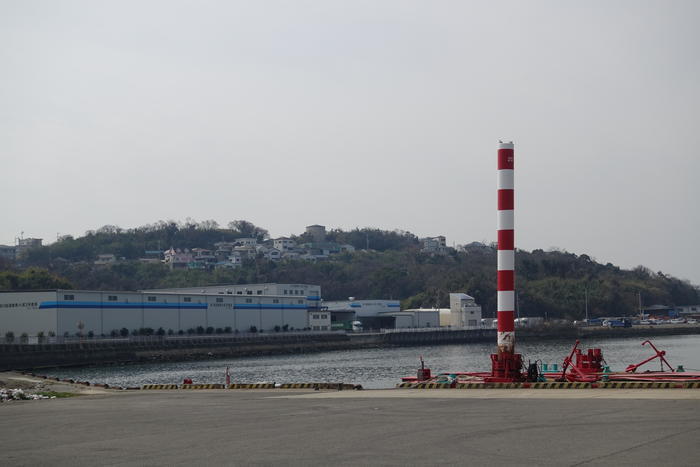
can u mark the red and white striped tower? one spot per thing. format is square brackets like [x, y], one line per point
[506, 247]
[506, 364]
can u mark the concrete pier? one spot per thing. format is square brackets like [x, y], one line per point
[382, 427]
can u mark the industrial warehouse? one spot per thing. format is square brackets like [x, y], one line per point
[226, 308]
[252, 307]
[379, 314]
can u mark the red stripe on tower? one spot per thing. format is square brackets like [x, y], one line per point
[506, 249]
[506, 323]
[506, 199]
[506, 280]
[506, 240]
[505, 156]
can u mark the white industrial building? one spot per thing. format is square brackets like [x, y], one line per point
[240, 307]
[462, 313]
[377, 314]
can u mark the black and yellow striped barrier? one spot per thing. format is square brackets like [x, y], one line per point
[556, 385]
[426, 385]
[202, 386]
[251, 386]
[645, 385]
[299, 386]
[159, 386]
[339, 386]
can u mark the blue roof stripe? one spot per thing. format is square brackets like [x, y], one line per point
[257, 306]
[152, 305]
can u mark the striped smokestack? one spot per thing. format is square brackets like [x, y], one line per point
[506, 247]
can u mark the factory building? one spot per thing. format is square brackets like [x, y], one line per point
[464, 312]
[239, 307]
[379, 314]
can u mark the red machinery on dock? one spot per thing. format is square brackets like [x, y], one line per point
[578, 366]
[506, 365]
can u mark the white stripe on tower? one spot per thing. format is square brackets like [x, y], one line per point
[506, 248]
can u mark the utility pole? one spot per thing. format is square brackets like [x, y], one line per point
[586, 295]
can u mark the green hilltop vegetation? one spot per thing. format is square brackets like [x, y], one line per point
[549, 283]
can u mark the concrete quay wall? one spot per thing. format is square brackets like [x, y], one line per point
[13, 357]
[96, 352]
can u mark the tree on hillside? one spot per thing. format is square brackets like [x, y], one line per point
[375, 239]
[32, 279]
[248, 229]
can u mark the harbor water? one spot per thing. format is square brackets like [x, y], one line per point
[379, 368]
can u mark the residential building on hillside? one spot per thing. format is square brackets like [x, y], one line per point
[317, 232]
[272, 254]
[246, 241]
[223, 250]
[24, 244]
[232, 261]
[177, 259]
[202, 259]
[234, 254]
[434, 245]
[105, 259]
[246, 251]
[284, 244]
[291, 254]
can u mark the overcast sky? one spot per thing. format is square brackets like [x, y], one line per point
[358, 113]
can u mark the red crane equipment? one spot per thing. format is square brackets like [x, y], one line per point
[587, 368]
[659, 354]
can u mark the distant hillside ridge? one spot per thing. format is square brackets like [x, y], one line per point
[397, 265]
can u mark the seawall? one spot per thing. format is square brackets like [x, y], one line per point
[13, 357]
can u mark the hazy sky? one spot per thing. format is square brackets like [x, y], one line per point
[358, 113]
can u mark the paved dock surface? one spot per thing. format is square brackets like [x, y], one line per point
[389, 427]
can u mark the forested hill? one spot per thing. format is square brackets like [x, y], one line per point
[551, 283]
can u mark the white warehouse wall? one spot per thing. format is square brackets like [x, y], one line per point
[102, 312]
[126, 310]
[20, 313]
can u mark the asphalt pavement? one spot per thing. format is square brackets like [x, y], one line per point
[385, 427]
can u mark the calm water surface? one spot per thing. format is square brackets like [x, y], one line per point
[378, 368]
